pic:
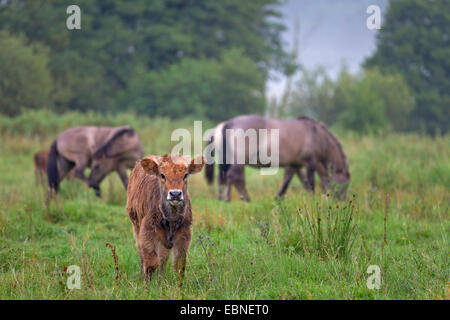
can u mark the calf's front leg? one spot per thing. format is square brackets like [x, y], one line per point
[147, 245]
[182, 243]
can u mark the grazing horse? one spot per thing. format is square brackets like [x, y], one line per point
[40, 166]
[159, 208]
[103, 149]
[303, 143]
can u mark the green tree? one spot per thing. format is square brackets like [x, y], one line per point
[414, 41]
[25, 81]
[119, 40]
[216, 89]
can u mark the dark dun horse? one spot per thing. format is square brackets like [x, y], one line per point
[303, 144]
[103, 149]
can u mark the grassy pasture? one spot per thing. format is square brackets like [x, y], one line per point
[261, 250]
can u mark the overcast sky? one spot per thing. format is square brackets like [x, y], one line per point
[331, 32]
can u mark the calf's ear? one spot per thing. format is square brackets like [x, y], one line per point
[196, 164]
[150, 165]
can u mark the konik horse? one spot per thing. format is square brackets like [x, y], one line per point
[303, 143]
[103, 149]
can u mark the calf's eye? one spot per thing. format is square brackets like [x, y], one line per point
[163, 177]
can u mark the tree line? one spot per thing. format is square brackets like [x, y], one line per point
[164, 57]
[211, 59]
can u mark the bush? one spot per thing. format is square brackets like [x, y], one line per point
[373, 102]
[367, 102]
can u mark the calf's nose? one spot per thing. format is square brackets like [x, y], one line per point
[175, 194]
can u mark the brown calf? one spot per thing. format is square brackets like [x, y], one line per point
[159, 207]
[41, 164]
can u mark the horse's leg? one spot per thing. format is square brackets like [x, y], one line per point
[64, 166]
[122, 172]
[227, 179]
[220, 191]
[70, 175]
[238, 178]
[227, 190]
[220, 183]
[303, 178]
[240, 186]
[323, 174]
[288, 174]
[310, 174]
[80, 165]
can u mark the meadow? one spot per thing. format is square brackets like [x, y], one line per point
[308, 246]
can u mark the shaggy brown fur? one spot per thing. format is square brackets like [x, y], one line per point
[161, 222]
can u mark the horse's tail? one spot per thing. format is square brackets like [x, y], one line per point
[223, 165]
[209, 168]
[52, 168]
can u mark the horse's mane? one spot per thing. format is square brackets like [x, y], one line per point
[104, 149]
[332, 136]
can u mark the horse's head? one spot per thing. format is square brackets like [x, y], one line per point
[341, 178]
[173, 173]
[100, 167]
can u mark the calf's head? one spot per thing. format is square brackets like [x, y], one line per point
[173, 174]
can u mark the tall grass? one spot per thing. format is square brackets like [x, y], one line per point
[308, 246]
[330, 233]
[325, 228]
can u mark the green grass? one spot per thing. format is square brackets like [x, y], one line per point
[262, 250]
